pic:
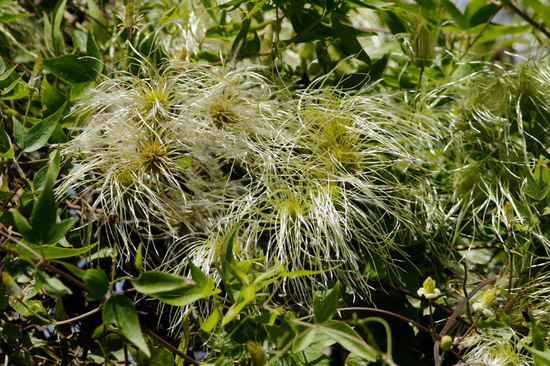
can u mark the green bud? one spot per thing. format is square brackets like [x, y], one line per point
[446, 343]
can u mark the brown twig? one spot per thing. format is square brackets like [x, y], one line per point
[168, 345]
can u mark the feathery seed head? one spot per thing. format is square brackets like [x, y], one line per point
[420, 43]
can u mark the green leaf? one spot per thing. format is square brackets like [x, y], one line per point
[71, 69]
[44, 213]
[304, 339]
[79, 90]
[57, 40]
[52, 251]
[210, 323]
[174, 290]
[120, 311]
[538, 341]
[24, 227]
[38, 134]
[257, 6]
[242, 45]
[5, 143]
[99, 24]
[458, 17]
[325, 308]
[348, 338]
[236, 309]
[348, 39]
[7, 17]
[540, 10]
[227, 245]
[482, 15]
[94, 56]
[98, 283]
[541, 358]
[52, 99]
[53, 286]
[152, 282]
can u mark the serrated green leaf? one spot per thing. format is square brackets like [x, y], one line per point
[120, 311]
[71, 69]
[53, 252]
[98, 283]
[349, 339]
[325, 308]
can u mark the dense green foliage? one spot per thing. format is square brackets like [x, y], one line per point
[274, 182]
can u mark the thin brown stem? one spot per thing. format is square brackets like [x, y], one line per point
[537, 25]
[168, 345]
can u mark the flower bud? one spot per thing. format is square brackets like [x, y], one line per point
[446, 343]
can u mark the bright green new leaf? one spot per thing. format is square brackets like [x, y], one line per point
[7, 17]
[210, 323]
[120, 311]
[98, 283]
[227, 245]
[349, 339]
[138, 262]
[325, 308]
